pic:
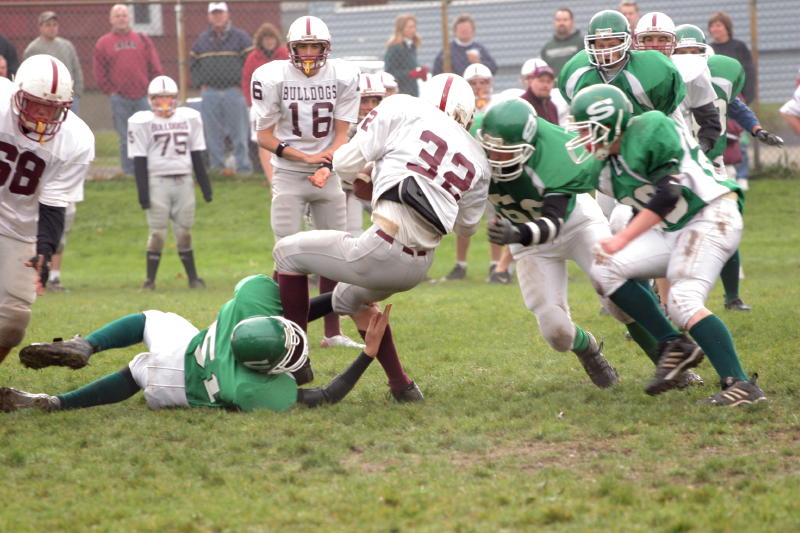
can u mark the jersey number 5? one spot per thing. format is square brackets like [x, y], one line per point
[28, 168]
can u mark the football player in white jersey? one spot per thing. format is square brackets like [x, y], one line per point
[46, 151]
[304, 107]
[166, 144]
[656, 31]
[431, 178]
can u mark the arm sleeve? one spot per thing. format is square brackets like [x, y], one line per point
[546, 228]
[742, 114]
[142, 187]
[201, 175]
[348, 99]
[707, 118]
[338, 388]
[153, 61]
[668, 192]
[50, 228]
[100, 68]
[265, 100]
[348, 161]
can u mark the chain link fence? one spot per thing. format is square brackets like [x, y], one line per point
[507, 33]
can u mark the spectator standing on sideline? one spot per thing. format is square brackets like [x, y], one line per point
[790, 111]
[566, 41]
[8, 51]
[267, 46]
[216, 63]
[400, 59]
[539, 80]
[124, 64]
[50, 43]
[631, 12]
[3, 67]
[464, 51]
[720, 26]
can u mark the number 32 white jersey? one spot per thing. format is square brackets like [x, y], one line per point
[407, 136]
[303, 108]
[167, 143]
[51, 173]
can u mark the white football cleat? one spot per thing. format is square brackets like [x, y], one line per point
[340, 341]
[13, 399]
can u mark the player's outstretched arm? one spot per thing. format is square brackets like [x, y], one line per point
[344, 382]
[201, 174]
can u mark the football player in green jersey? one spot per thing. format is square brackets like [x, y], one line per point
[688, 224]
[727, 79]
[546, 218]
[244, 360]
[649, 78]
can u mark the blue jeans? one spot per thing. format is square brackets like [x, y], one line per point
[121, 110]
[225, 115]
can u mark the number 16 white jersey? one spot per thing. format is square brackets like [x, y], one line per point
[303, 108]
[167, 143]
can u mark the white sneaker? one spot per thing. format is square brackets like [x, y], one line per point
[340, 341]
[13, 399]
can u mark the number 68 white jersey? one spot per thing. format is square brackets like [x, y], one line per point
[167, 143]
[303, 108]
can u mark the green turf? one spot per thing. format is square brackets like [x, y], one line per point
[513, 436]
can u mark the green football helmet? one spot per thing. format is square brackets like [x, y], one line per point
[607, 24]
[508, 134]
[690, 36]
[600, 113]
[267, 344]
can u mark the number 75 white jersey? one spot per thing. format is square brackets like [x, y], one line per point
[407, 136]
[167, 143]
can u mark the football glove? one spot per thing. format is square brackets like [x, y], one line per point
[768, 138]
[501, 231]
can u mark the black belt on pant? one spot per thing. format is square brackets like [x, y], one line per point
[388, 238]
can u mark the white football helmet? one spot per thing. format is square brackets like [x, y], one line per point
[163, 86]
[655, 24]
[452, 94]
[477, 70]
[43, 96]
[308, 30]
[389, 82]
[371, 85]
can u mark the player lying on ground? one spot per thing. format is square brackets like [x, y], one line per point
[687, 226]
[242, 361]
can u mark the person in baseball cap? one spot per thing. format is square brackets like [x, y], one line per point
[539, 79]
[217, 6]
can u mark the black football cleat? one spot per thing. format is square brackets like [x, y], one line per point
[73, 353]
[737, 392]
[597, 368]
[737, 305]
[409, 393]
[677, 356]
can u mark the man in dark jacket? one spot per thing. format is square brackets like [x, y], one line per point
[216, 62]
[566, 41]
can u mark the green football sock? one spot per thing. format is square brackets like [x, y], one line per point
[581, 341]
[730, 277]
[716, 341]
[642, 307]
[646, 342]
[125, 331]
[109, 389]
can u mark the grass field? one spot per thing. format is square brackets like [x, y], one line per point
[512, 437]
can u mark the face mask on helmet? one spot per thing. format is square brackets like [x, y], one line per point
[43, 97]
[600, 115]
[608, 39]
[656, 31]
[268, 344]
[691, 40]
[163, 95]
[309, 44]
[507, 135]
[372, 93]
[452, 95]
